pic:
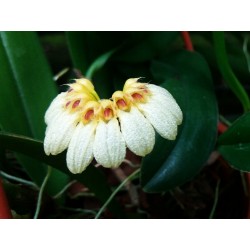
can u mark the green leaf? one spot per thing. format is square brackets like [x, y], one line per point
[172, 163]
[237, 155]
[90, 52]
[91, 177]
[226, 71]
[85, 47]
[234, 144]
[102, 80]
[144, 46]
[27, 89]
[99, 63]
[238, 132]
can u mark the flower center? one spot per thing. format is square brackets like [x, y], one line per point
[137, 96]
[75, 104]
[79, 94]
[121, 104]
[108, 113]
[121, 101]
[89, 115]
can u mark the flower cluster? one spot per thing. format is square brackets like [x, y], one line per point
[102, 129]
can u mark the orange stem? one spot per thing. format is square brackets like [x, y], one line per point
[4, 206]
[222, 127]
[187, 40]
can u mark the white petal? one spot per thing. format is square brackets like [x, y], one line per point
[59, 133]
[167, 101]
[138, 133]
[80, 151]
[109, 145]
[55, 107]
[162, 119]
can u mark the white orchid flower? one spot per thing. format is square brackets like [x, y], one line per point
[102, 129]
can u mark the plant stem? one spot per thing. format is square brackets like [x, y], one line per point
[39, 201]
[216, 196]
[226, 71]
[115, 192]
[4, 207]
[187, 40]
[17, 179]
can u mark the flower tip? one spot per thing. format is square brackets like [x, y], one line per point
[86, 82]
[75, 171]
[130, 82]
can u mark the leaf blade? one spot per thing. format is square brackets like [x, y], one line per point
[26, 80]
[91, 177]
[193, 90]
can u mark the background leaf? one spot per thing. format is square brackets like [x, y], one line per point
[234, 144]
[91, 177]
[27, 89]
[186, 75]
[93, 49]
[86, 47]
[237, 155]
[143, 46]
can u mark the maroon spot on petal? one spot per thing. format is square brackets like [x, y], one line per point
[67, 104]
[121, 103]
[137, 96]
[108, 113]
[75, 104]
[89, 114]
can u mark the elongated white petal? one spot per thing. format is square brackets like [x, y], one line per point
[109, 145]
[161, 118]
[59, 133]
[80, 151]
[55, 107]
[138, 133]
[167, 101]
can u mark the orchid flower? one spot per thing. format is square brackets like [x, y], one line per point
[103, 129]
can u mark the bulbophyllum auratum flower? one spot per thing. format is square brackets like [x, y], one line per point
[102, 129]
[97, 135]
[62, 115]
[141, 107]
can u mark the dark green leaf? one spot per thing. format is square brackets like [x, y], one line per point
[234, 144]
[85, 47]
[91, 177]
[226, 71]
[146, 45]
[99, 63]
[187, 77]
[237, 155]
[91, 51]
[27, 89]
[238, 132]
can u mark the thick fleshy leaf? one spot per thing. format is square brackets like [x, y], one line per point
[186, 76]
[91, 177]
[237, 155]
[27, 88]
[238, 132]
[234, 144]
